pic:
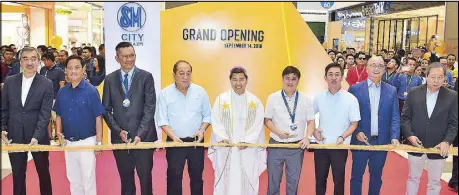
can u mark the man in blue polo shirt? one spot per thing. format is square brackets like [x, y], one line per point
[79, 118]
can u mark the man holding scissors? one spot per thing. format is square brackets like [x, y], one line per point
[380, 125]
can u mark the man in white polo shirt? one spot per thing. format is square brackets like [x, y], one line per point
[290, 118]
[339, 115]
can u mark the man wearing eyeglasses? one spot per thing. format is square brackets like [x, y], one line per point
[429, 120]
[380, 125]
[129, 100]
[358, 73]
[26, 108]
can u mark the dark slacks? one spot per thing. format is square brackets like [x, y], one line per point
[142, 161]
[323, 159]
[176, 158]
[454, 178]
[19, 167]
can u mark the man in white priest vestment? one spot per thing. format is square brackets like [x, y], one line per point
[237, 117]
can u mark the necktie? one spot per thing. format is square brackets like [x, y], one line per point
[126, 84]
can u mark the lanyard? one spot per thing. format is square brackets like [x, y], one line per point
[359, 75]
[126, 87]
[292, 115]
[408, 82]
[390, 75]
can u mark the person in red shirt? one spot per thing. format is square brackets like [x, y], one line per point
[358, 73]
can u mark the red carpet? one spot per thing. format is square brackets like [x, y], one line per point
[108, 183]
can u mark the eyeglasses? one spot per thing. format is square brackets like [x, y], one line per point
[362, 58]
[377, 66]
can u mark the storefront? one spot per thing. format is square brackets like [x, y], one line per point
[372, 27]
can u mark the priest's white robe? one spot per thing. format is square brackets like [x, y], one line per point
[237, 118]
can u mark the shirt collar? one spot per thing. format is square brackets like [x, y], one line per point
[28, 79]
[293, 96]
[435, 93]
[337, 93]
[370, 83]
[129, 73]
[80, 85]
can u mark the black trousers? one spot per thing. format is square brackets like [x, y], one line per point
[19, 167]
[454, 178]
[400, 105]
[323, 159]
[142, 161]
[176, 158]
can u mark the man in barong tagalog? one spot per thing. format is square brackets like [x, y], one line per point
[237, 117]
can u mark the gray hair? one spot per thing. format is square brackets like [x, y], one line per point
[28, 49]
[435, 65]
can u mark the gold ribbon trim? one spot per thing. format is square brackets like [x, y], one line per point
[151, 145]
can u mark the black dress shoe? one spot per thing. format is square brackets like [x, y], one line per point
[455, 188]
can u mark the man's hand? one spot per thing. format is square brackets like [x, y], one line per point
[318, 134]
[361, 137]
[444, 147]
[136, 140]
[177, 139]
[5, 138]
[415, 141]
[283, 135]
[200, 135]
[304, 143]
[123, 136]
[33, 142]
[243, 147]
[395, 142]
[62, 141]
[339, 140]
[225, 141]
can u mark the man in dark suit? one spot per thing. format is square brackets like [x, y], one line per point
[379, 125]
[27, 99]
[453, 183]
[429, 119]
[129, 100]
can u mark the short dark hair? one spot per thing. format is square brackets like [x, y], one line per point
[451, 55]
[48, 56]
[122, 45]
[74, 58]
[397, 61]
[408, 59]
[339, 58]
[401, 52]
[65, 52]
[350, 56]
[352, 48]
[384, 50]
[174, 69]
[333, 65]
[435, 65]
[8, 49]
[331, 51]
[88, 48]
[4, 46]
[236, 70]
[442, 58]
[101, 46]
[291, 69]
[11, 45]
[42, 48]
[79, 51]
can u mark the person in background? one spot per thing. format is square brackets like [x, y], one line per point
[4, 47]
[451, 58]
[74, 51]
[332, 55]
[102, 50]
[391, 75]
[381, 126]
[350, 62]
[418, 72]
[358, 73]
[449, 76]
[93, 52]
[51, 71]
[338, 54]
[15, 50]
[383, 52]
[406, 81]
[400, 53]
[8, 55]
[340, 60]
[429, 120]
[97, 74]
[424, 65]
[390, 54]
[63, 56]
[351, 51]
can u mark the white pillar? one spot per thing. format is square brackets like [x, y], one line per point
[62, 28]
[89, 30]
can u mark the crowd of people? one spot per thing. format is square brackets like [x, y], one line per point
[369, 113]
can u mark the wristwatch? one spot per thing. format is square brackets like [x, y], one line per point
[98, 143]
[341, 136]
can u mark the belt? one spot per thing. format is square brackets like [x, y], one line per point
[189, 139]
[295, 142]
[74, 139]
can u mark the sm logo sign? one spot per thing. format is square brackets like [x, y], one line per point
[131, 17]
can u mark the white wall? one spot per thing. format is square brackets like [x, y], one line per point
[37, 26]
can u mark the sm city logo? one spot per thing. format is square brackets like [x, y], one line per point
[131, 18]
